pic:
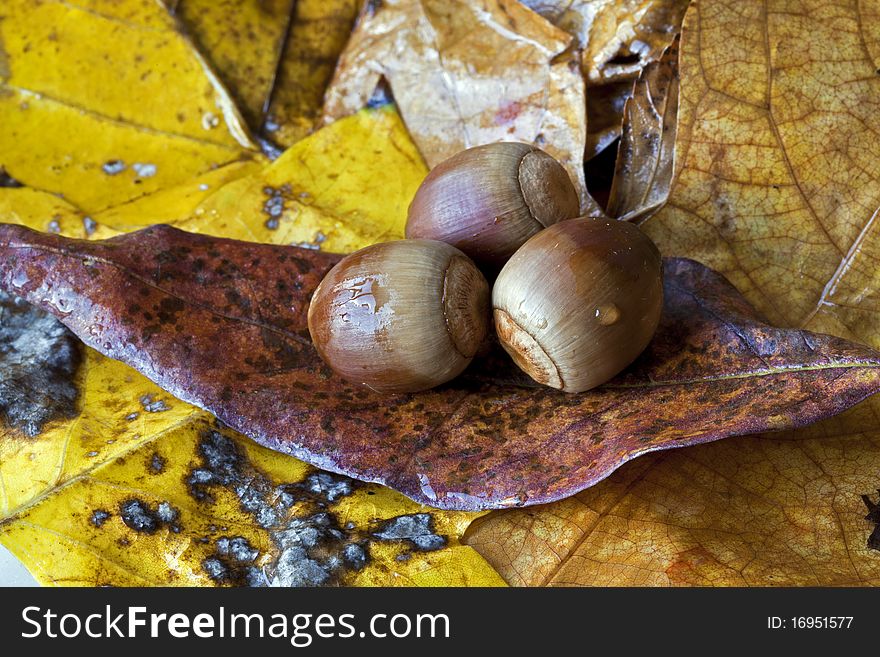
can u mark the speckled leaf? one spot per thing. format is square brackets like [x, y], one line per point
[646, 154]
[776, 186]
[222, 324]
[276, 57]
[465, 74]
[200, 505]
[104, 101]
[321, 193]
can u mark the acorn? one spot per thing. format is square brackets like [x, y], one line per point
[487, 201]
[400, 316]
[579, 302]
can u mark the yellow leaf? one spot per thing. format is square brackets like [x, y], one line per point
[192, 504]
[276, 57]
[104, 101]
[41, 211]
[112, 420]
[346, 186]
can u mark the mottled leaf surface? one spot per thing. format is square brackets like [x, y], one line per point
[198, 505]
[221, 324]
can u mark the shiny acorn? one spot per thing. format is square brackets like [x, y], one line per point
[487, 201]
[400, 316]
[579, 302]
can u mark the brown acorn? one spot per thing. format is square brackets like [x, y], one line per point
[487, 201]
[579, 302]
[400, 316]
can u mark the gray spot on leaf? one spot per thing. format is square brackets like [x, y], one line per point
[39, 358]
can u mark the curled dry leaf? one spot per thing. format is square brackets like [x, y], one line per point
[222, 324]
[71, 124]
[617, 40]
[276, 57]
[465, 74]
[646, 154]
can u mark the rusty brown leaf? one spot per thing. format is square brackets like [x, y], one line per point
[646, 153]
[221, 324]
[465, 74]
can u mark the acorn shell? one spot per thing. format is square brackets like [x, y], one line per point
[400, 316]
[579, 302]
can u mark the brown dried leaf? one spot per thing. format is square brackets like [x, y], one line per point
[646, 154]
[779, 510]
[618, 40]
[776, 182]
[465, 74]
[222, 324]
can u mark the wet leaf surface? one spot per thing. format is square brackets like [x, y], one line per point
[321, 194]
[276, 57]
[39, 358]
[222, 324]
[465, 74]
[196, 504]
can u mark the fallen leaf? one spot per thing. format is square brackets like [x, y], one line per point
[773, 185]
[646, 154]
[222, 324]
[197, 505]
[320, 194]
[779, 510]
[617, 40]
[243, 41]
[318, 34]
[72, 126]
[276, 57]
[42, 211]
[107, 480]
[465, 74]
[776, 183]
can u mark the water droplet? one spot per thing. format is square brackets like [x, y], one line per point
[542, 323]
[608, 314]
